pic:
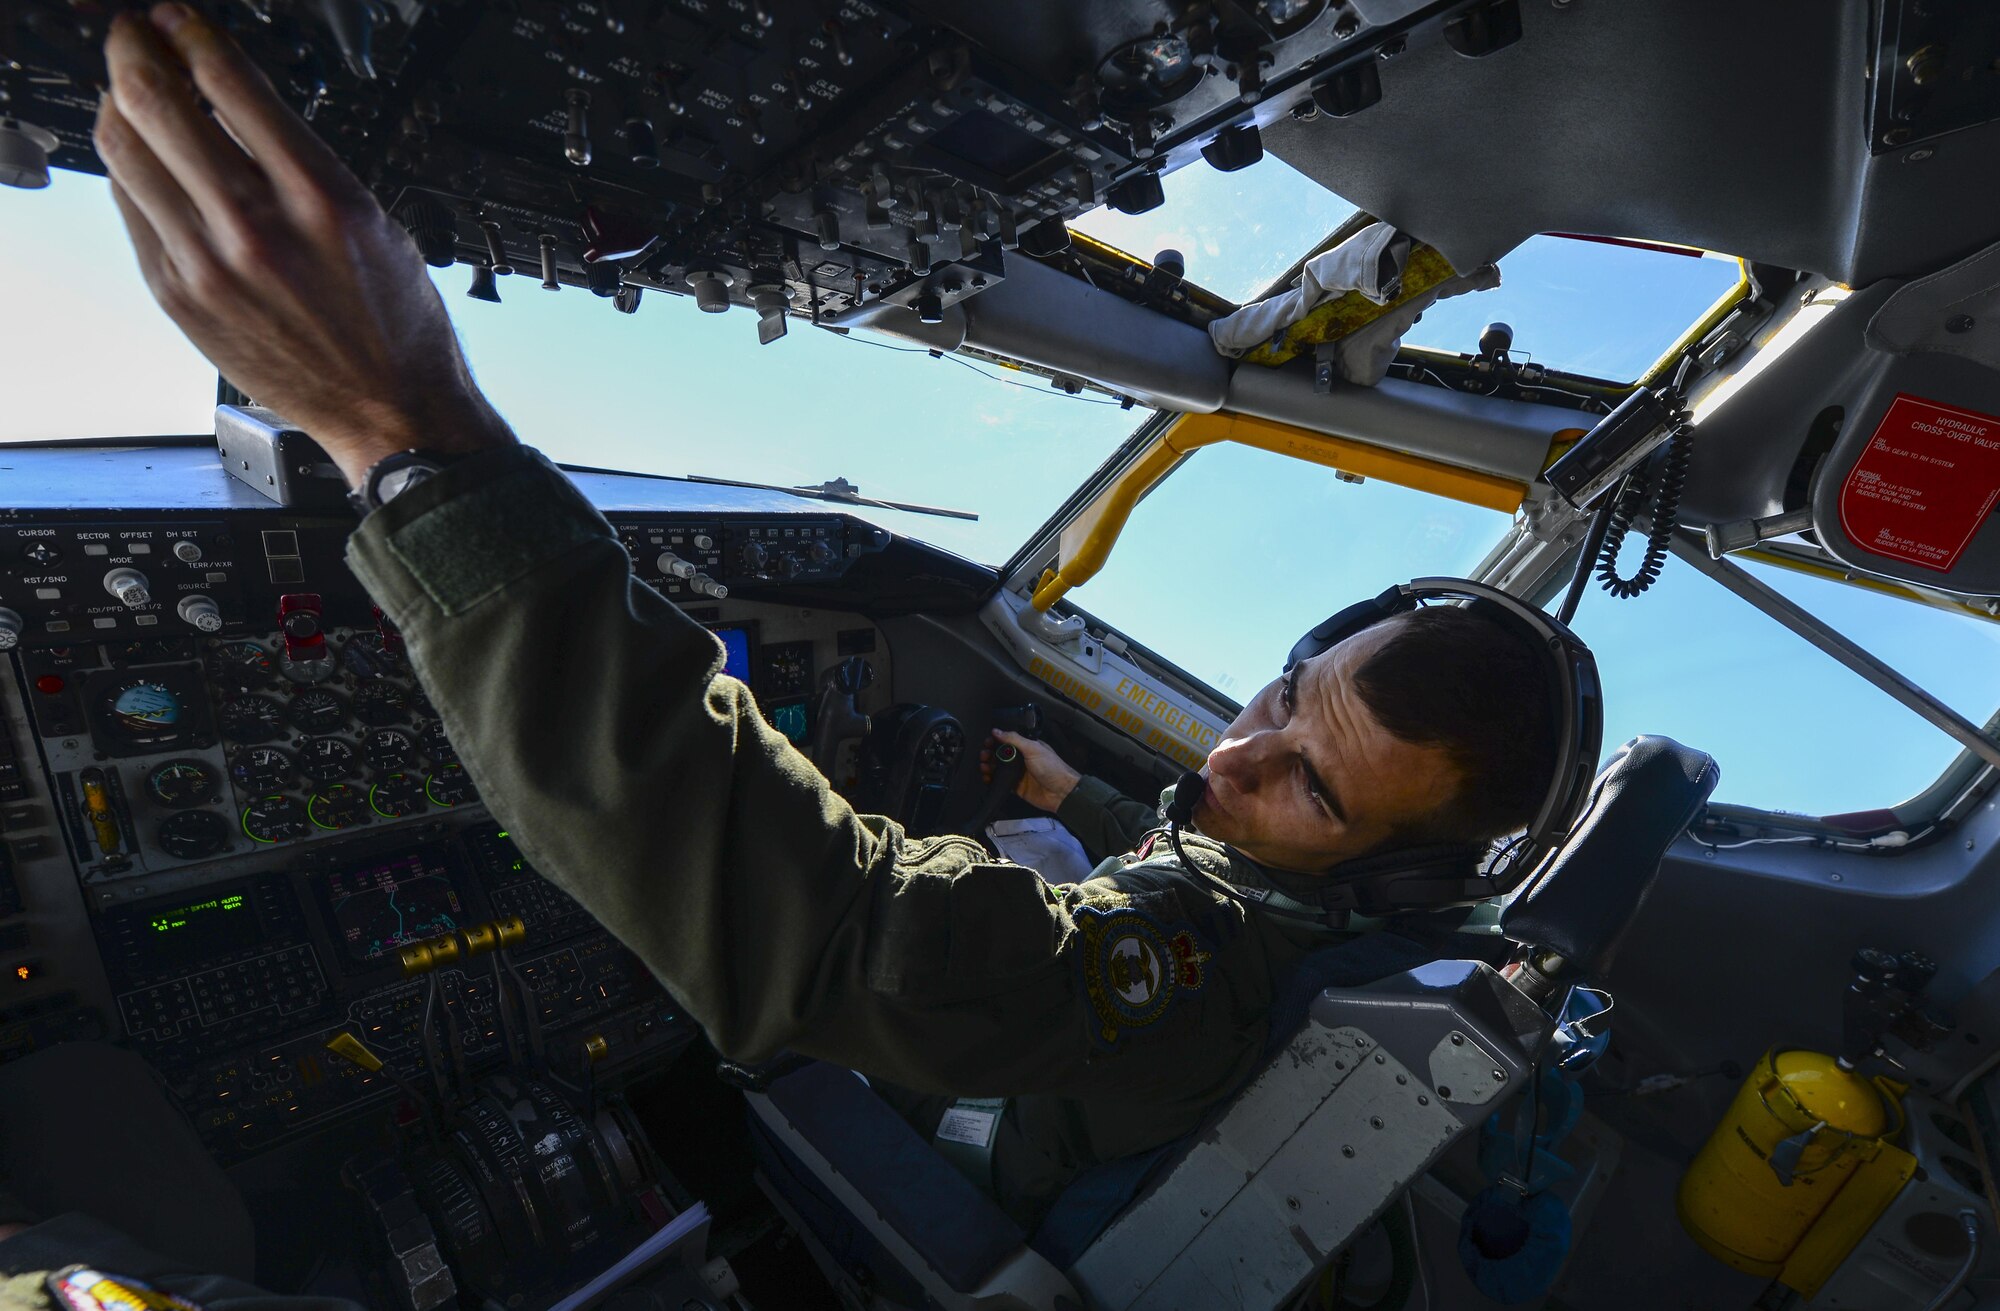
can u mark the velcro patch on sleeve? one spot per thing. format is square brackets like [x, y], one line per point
[476, 544]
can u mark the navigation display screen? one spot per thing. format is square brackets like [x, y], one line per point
[736, 642]
[377, 908]
[200, 930]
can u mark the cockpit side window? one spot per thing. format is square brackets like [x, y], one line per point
[1793, 730]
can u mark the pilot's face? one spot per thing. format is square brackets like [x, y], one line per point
[1306, 778]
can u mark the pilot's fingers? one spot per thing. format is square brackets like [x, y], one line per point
[1011, 739]
[150, 87]
[148, 193]
[289, 152]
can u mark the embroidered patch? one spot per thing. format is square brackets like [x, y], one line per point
[1132, 968]
[80, 1288]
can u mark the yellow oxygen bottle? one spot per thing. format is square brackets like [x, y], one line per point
[1805, 1159]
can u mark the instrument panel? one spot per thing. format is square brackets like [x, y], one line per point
[223, 825]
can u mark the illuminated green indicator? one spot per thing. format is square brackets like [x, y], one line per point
[178, 919]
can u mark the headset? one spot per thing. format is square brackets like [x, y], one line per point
[1437, 876]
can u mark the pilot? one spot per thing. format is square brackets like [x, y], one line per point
[592, 715]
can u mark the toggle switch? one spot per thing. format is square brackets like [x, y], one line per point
[548, 244]
[576, 136]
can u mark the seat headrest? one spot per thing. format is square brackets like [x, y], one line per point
[1583, 897]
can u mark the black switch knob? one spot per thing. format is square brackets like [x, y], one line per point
[930, 308]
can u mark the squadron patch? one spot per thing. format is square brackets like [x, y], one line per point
[1133, 968]
[79, 1288]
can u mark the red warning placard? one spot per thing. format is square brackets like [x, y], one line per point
[1927, 480]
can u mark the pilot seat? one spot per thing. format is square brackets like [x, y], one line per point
[1382, 1057]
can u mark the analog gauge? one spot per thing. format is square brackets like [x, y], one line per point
[316, 670]
[317, 710]
[241, 664]
[275, 819]
[381, 703]
[325, 759]
[261, 769]
[367, 655]
[180, 783]
[337, 807]
[436, 745]
[251, 718]
[142, 709]
[151, 652]
[449, 787]
[396, 795]
[388, 749]
[193, 834]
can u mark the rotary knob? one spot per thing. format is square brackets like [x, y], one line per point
[201, 612]
[10, 630]
[674, 567]
[187, 550]
[819, 553]
[129, 586]
[755, 557]
[703, 585]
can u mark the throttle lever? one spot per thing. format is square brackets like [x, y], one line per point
[1024, 721]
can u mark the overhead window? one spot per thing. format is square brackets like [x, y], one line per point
[1590, 307]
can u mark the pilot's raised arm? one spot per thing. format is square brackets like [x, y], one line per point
[595, 719]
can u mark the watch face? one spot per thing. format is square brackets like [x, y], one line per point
[397, 474]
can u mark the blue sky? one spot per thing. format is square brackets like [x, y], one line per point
[1222, 566]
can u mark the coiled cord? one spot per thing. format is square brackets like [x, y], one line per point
[1663, 490]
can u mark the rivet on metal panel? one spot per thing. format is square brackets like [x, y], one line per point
[1347, 1151]
[1499, 1076]
[1292, 1202]
[1380, 1059]
[1458, 1040]
[1443, 1091]
[1375, 1120]
[1423, 1100]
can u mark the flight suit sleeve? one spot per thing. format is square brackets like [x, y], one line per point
[593, 718]
[1105, 820]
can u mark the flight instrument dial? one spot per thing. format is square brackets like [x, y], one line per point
[275, 818]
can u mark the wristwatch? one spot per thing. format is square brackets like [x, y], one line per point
[392, 475]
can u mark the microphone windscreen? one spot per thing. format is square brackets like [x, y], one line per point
[1188, 789]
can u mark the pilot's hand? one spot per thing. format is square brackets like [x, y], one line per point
[272, 257]
[1046, 779]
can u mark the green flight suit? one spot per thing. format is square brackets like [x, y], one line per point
[595, 721]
